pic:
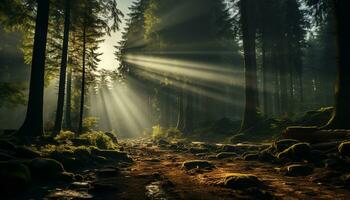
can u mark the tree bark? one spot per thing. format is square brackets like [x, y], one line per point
[33, 123]
[62, 81]
[82, 97]
[341, 115]
[251, 89]
[68, 119]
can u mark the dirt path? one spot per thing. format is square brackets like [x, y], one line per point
[157, 174]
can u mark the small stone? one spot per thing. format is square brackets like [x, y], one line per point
[299, 170]
[241, 181]
[196, 150]
[224, 155]
[193, 164]
[251, 157]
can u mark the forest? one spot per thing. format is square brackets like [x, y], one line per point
[174, 99]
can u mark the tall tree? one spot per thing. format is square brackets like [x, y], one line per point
[33, 123]
[62, 79]
[248, 26]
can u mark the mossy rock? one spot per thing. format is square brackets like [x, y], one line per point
[284, 144]
[111, 154]
[344, 149]
[83, 153]
[298, 170]
[193, 164]
[14, 177]
[251, 156]
[296, 152]
[45, 168]
[224, 155]
[241, 181]
[81, 142]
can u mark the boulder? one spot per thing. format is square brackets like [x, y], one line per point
[251, 156]
[224, 155]
[344, 149]
[284, 144]
[108, 172]
[295, 152]
[112, 154]
[298, 170]
[266, 156]
[193, 164]
[45, 168]
[14, 177]
[241, 181]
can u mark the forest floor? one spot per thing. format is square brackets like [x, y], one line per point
[160, 172]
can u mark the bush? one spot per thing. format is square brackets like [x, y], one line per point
[64, 136]
[99, 139]
[158, 132]
[90, 123]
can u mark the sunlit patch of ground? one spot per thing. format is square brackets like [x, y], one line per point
[158, 174]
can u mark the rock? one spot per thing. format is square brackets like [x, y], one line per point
[281, 145]
[298, 170]
[193, 164]
[82, 153]
[266, 156]
[45, 168]
[251, 156]
[112, 136]
[295, 152]
[228, 148]
[112, 154]
[25, 152]
[108, 172]
[69, 194]
[344, 149]
[14, 177]
[104, 186]
[7, 145]
[241, 181]
[224, 155]
[196, 150]
[66, 177]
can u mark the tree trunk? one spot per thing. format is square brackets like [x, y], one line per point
[180, 111]
[33, 123]
[68, 119]
[82, 97]
[251, 89]
[341, 115]
[62, 82]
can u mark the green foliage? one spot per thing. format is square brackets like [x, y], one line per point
[65, 136]
[90, 123]
[99, 139]
[159, 132]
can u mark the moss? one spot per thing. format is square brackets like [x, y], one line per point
[99, 139]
